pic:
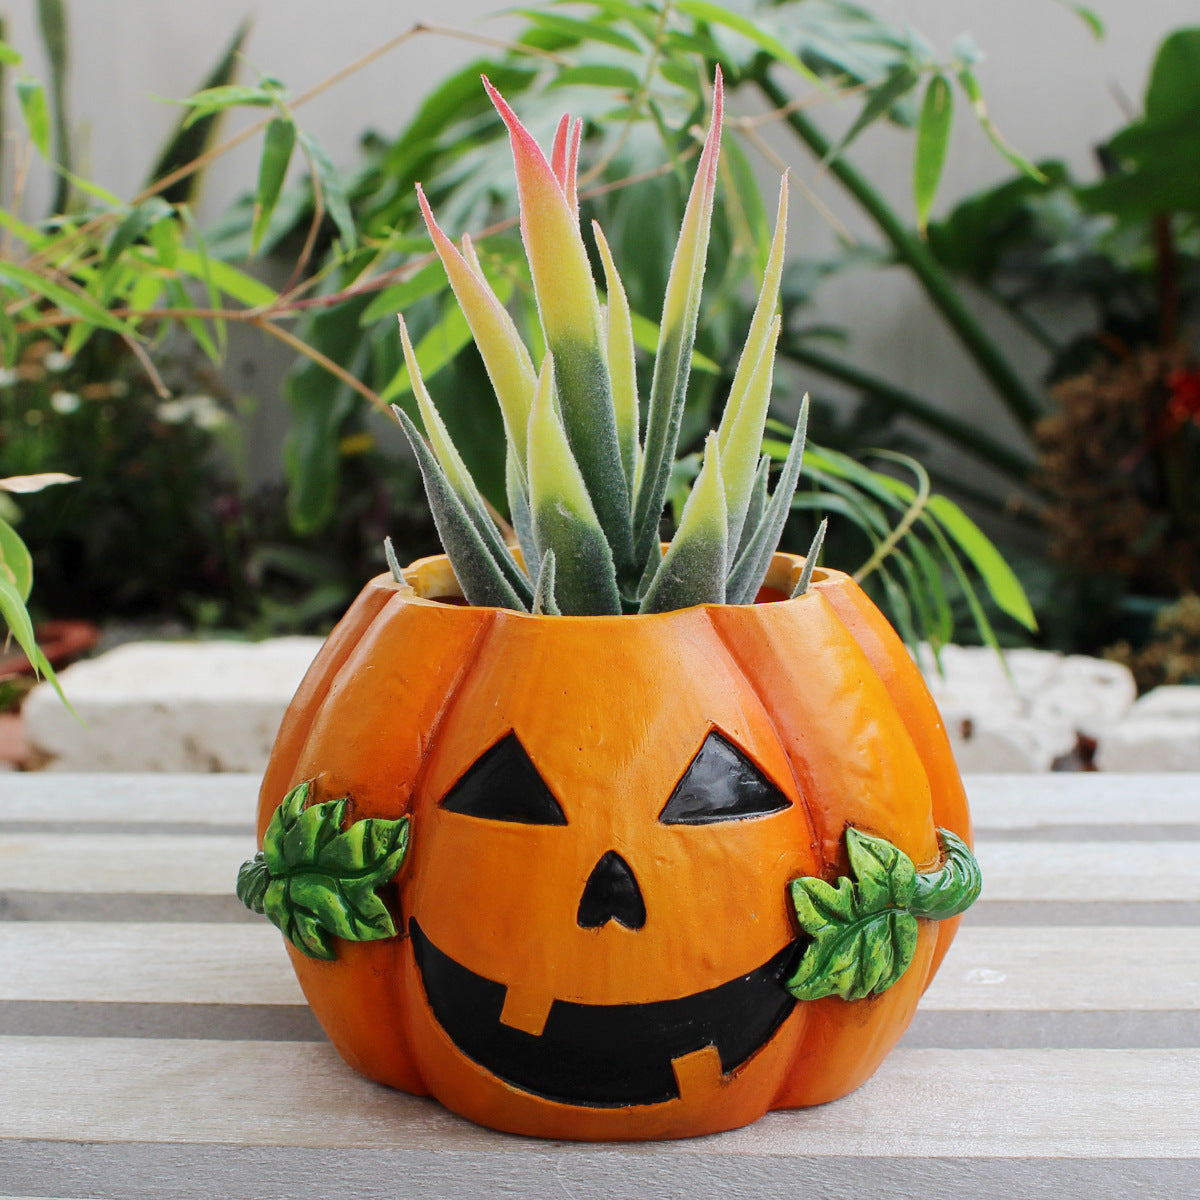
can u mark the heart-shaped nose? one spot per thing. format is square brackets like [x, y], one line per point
[611, 894]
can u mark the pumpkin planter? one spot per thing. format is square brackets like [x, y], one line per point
[595, 925]
[589, 837]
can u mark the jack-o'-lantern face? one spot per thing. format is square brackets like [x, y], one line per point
[618, 862]
[608, 1053]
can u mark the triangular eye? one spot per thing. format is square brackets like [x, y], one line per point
[503, 785]
[721, 784]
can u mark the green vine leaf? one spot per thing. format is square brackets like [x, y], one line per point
[863, 930]
[315, 880]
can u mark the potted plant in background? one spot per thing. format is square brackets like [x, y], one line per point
[583, 837]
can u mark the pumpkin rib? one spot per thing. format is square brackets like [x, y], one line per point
[905, 684]
[466, 668]
[296, 725]
[802, 793]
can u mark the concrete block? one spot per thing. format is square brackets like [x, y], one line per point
[1152, 743]
[170, 706]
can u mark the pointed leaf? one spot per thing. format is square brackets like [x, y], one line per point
[743, 429]
[278, 143]
[751, 567]
[505, 357]
[516, 488]
[479, 576]
[810, 561]
[933, 140]
[622, 362]
[677, 331]
[695, 566]
[543, 592]
[459, 478]
[570, 318]
[563, 517]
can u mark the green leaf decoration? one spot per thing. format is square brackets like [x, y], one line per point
[315, 880]
[863, 930]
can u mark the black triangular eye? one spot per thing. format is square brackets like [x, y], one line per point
[503, 785]
[721, 784]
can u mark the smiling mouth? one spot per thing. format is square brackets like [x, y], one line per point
[604, 1055]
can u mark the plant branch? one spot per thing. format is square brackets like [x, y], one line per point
[1011, 462]
[1021, 400]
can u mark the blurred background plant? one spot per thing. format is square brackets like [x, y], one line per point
[352, 253]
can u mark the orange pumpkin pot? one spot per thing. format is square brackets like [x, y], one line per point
[606, 814]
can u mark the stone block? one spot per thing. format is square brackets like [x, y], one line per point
[170, 706]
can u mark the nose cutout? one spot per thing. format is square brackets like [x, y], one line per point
[611, 894]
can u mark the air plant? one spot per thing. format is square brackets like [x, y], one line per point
[586, 484]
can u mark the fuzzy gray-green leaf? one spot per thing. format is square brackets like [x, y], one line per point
[563, 517]
[694, 568]
[478, 574]
[751, 567]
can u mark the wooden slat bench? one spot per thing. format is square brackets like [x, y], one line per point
[154, 1043]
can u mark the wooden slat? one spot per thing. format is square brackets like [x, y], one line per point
[186, 799]
[1137, 872]
[1133, 872]
[1069, 970]
[146, 963]
[1032, 802]
[988, 969]
[922, 1103]
[65, 862]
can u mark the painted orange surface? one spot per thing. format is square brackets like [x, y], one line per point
[817, 692]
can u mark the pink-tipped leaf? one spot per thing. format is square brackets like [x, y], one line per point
[570, 317]
[677, 333]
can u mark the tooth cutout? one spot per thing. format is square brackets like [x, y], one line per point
[696, 1071]
[526, 1010]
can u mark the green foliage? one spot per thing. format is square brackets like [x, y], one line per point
[315, 880]
[863, 930]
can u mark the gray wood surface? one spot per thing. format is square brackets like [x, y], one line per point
[154, 1043]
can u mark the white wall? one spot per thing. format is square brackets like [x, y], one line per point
[1049, 84]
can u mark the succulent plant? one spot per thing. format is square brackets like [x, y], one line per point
[586, 485]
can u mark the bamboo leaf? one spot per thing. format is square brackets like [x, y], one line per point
[32, 97]
[337, 204]
[899, 82]
[718, 14]
[563, 518]
[278, 143]
[681, 308]
[970, 85]
[933, 140]
[225, 278]
[694, 568]
[997, 575]
[135, 226]
[16, 564]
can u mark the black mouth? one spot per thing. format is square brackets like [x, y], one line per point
[604, 1055]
